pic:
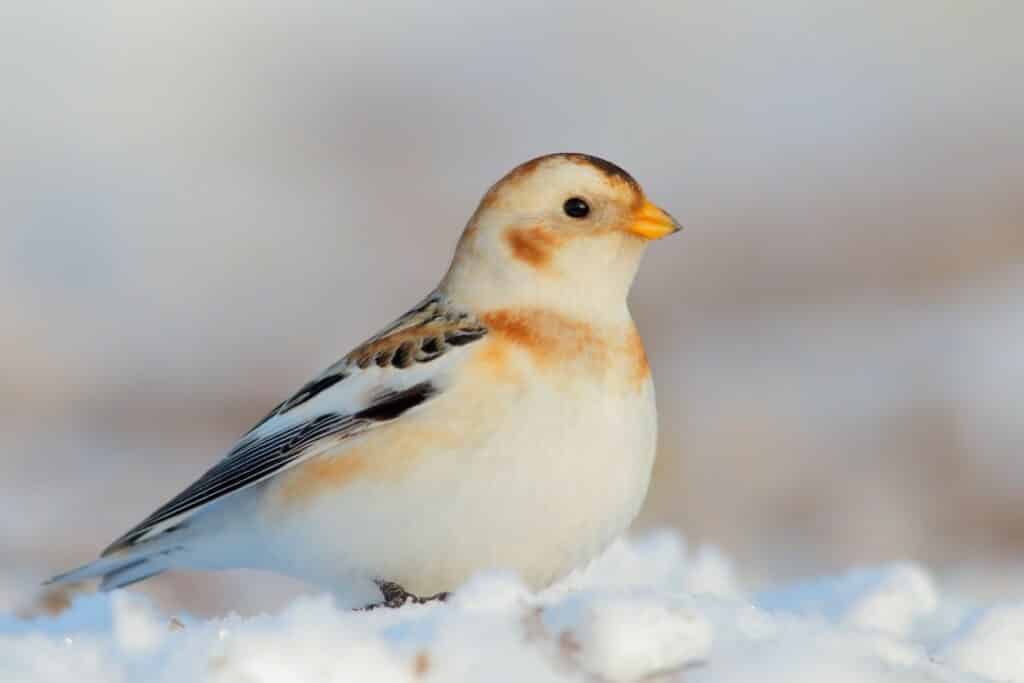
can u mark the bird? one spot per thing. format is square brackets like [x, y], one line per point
[505, 422]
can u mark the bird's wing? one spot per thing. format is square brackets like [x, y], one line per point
[376, 383]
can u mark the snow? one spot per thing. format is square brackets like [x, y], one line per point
[646, 608]
[989, 643]
[889, 599]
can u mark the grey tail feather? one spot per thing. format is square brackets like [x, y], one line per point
[119, 571]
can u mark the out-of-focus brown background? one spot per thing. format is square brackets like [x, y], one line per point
[201, 204]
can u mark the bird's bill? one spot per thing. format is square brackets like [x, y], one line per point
[653, 223]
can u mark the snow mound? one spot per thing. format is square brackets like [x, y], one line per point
[645, 609]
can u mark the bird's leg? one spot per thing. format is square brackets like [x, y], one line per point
[396, 596]
[436, 597]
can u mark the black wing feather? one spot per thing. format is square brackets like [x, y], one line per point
[256, 458]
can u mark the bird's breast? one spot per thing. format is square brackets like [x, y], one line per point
[537, 454]
[544, 346]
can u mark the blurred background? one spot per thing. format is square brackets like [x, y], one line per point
[202, 204]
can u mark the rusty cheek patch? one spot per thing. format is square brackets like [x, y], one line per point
[535, 245]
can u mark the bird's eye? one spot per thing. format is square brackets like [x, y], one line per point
[576, 207]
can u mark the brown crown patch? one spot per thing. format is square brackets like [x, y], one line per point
[607, 168]
[610, 170]
[525, 168]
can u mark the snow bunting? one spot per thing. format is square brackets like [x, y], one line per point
[507, 421]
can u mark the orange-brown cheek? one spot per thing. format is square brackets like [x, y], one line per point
[535, 245]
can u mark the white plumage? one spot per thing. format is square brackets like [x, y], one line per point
[508, 421]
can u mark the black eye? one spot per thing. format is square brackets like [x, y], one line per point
[576, 207]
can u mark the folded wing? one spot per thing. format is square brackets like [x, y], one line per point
[388, 368]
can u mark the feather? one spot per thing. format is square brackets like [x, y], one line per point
[312, 415]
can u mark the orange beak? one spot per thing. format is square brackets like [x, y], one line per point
[652, 223]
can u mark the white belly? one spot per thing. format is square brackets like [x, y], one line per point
[535, 477]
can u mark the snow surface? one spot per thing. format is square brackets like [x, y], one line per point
[646, 609]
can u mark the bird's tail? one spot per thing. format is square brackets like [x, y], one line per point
[123, 568]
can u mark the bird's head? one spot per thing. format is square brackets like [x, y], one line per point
[562, 229]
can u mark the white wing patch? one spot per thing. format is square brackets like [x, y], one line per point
[377, 382]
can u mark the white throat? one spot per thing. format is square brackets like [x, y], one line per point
[588, 277]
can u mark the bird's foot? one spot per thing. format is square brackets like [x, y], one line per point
[396, 596]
